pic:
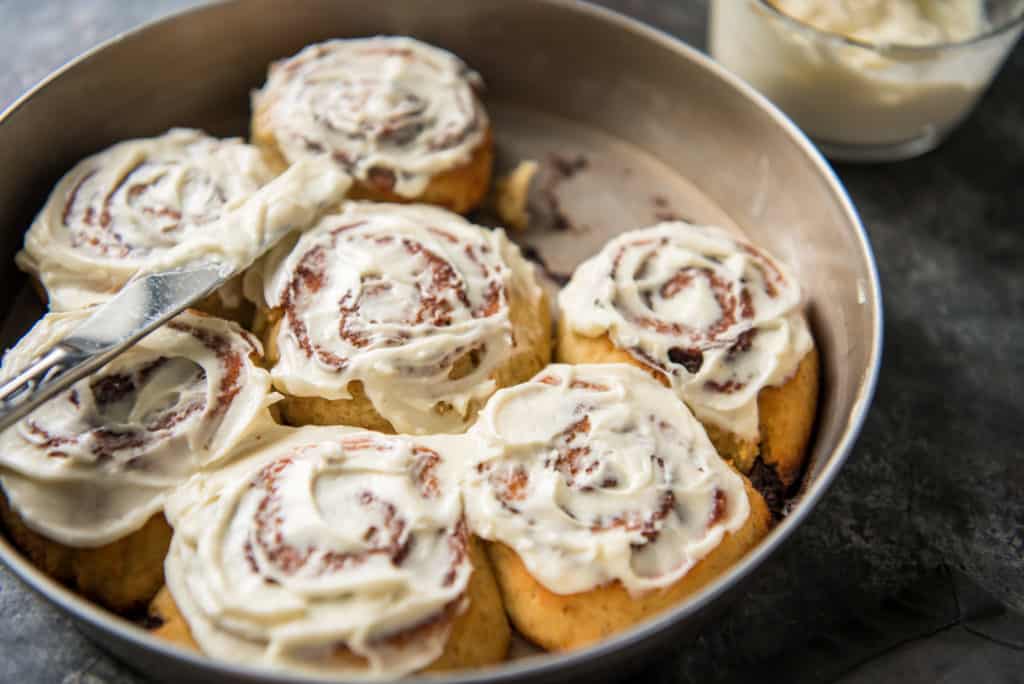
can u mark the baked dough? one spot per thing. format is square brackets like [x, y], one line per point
[562, 622]
[402, 117]
[85, 477]
[121, 576]
[433, 315]
[479, 637]
[785, 412]
[334, 551]
[712, 317]
[603, 501]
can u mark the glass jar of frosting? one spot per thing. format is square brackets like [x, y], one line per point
[868, 80]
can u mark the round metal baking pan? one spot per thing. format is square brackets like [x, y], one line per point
[650, 127]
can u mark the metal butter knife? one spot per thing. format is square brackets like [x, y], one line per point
[142, 306]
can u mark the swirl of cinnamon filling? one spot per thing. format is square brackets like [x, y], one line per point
[715, 317]
[411, 301]
[93, 464]
[323, 549]
[392, 112]
[594, 474]
[156, 203]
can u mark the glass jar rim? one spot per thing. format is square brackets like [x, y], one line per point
[889, 48]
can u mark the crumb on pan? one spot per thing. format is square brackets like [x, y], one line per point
[511, 195]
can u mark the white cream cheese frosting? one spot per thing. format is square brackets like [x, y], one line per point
[896, 22]
[96, 462]
[158, 203]
[323, 549]
[596, 473]
[391, 111]
[714, 316]
[871, 92]
[394, 296]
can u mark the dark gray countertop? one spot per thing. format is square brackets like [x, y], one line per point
[912, 566]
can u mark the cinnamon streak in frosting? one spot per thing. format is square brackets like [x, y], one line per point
[391, 111]
[93, 464]
[323, 549]
[154, 204]
[411, 301]
[715, 317]
[596, 473]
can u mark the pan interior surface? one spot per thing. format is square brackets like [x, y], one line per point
[651, 129]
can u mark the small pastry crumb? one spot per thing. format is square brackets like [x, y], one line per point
[512, 193]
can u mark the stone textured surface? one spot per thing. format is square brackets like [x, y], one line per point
[912, 568]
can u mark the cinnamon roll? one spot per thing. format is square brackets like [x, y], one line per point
[400, 116]
[333, 551]
[714, 318]
[156, 203]
[604, 502]
[398, 318]
[85, 476]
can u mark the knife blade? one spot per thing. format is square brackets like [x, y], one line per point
[142, 306]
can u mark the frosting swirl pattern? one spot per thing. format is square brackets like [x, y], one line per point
[391, 111]
[323, 549]
[714, 316]
[595, 473]
[157, 203]
[411, 301]
[93, 464]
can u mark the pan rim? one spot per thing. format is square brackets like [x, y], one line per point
[127, 633]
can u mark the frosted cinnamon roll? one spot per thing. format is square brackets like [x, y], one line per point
[400, 116]
[398, 318]
[716, 319]
[334, 551]
[604, 502]
[86, 475]
[156, 203]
